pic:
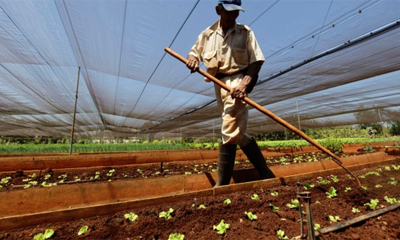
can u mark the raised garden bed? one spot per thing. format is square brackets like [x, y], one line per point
[198, 223]
[271, 208]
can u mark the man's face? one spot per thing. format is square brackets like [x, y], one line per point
[228, 18]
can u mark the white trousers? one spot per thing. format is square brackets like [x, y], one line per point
[234, 113]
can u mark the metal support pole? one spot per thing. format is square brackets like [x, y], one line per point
[298, 115]
[306, 196]
[74, 116]
[302, 235]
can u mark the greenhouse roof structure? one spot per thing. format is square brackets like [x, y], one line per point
[328, 63]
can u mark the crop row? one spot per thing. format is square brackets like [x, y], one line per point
[223, 226]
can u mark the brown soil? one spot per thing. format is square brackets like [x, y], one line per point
[197, 223]
[19, 179]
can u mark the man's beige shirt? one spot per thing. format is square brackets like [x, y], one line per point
[227, 54]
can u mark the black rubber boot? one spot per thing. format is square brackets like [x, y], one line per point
[255, 156]
[226, 163]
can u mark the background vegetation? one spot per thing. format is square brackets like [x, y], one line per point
[331, 137]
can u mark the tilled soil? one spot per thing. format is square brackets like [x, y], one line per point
[270, 206]
[47, 177]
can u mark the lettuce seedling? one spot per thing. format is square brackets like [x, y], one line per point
[294, 203]
[255, 197]
[5, 180]
[393, 181]
[166, 215]
[250, 215]
[355, 210]
[332, 192]
[202, 206]
[372, 204]
[323, 181]
[176, 236]
[334, 218]
[227, 201]
[308, 186]
[317, 226]
[281, 234]
[222, 227]
[274, 194]
[335, 178]
[43, 236]
[347, 189]
[131, 216]
[83, 230]
[274, 208]
[390, 200]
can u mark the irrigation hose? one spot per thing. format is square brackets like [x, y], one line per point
[277, 119]
[357, 219]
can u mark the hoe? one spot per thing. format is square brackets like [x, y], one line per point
[279, 120]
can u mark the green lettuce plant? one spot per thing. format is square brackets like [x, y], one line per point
[250, 215]
[43, 236]
[176, 236]
[166, 215]
[331, 193]
[222, 227]
[132, 217]
[83, 230]
[373, 203]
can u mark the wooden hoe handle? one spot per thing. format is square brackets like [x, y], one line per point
[279, 120]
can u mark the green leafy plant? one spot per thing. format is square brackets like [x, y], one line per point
[331, 193]
[335, 178]
[393, 181]
[355, 210]
[132, 217]
[227, 201]
[333, 218]
[323, 181]
[274, 208]
[372, 173]
[176, 236]
[390, 200]
[281, 234]
[202, 206]
[308, 186]
[46, 235]
[336, 146]
[373, 203]
[5, 180]
[274, 194]
[166, 215]
[317, 226]
[294, 203]
[83, 230]
[255, 197]
[222, 227]
[250, 215]
[347, 189]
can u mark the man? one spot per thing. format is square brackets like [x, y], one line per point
[231, 53]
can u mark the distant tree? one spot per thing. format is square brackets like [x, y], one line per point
[394, 128]
[376, 127]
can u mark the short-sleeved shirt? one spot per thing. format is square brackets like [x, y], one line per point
[227, 54]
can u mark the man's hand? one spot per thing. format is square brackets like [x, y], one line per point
[240, 90]
[192, 63]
